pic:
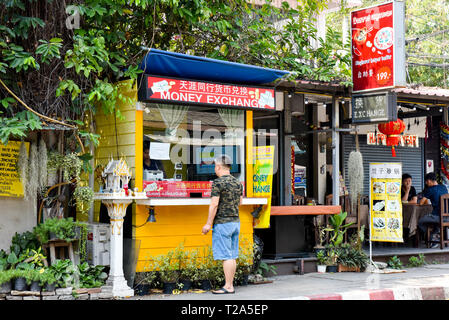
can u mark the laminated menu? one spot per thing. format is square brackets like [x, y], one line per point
[385, 202]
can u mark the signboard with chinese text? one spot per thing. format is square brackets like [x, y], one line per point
[10, 185]
[374, 107]
[190, 91]
[378, 47]
[381, 139]
[385, 202]
[263, 159]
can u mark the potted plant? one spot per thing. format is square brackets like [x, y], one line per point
[321, 261]
[188, 270]
[64, 272]
[351, 257]
[321, 238]
[205, 269]
[47, 280]
[6, 277]
[337, 229]
[83, 196]
[91, 276]
[20, 279]
[56, 228]
[331, 261]
[244, 264]
[34, 279]
[168, 268]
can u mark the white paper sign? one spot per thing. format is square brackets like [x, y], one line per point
[160, 151]
[429, 166]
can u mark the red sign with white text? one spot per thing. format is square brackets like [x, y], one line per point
[178, 189]
[209, 93]
[373, 47]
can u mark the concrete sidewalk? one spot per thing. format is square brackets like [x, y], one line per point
[430, 282]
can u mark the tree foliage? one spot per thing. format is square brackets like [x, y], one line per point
[64, 59]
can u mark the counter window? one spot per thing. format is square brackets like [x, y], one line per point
[179, 146]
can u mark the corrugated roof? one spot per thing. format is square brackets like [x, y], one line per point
[424, 91]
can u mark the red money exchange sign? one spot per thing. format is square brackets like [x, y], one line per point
[374, 47]
[168, 89]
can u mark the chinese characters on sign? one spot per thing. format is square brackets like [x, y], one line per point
[206, 93]
[381, 139]
[374, 107]
[385, 202]
[378, 55]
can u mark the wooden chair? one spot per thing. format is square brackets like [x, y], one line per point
[299, 200]
[444, 223]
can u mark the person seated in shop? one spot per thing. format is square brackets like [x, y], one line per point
[408, 192]
[432, 193]
[148, 163]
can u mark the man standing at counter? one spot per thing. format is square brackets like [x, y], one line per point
[226, 197]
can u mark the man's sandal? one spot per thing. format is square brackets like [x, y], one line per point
[223, 291]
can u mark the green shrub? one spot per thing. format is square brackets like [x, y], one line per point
[417, 261]
[91, 276]
[395, 263]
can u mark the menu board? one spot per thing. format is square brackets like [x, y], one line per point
[10, 185]
[385, 202]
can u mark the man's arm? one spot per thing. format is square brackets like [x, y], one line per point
[405, 197]
[212, 212]
[424, 200]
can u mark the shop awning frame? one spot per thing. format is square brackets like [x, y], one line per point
[178, 65]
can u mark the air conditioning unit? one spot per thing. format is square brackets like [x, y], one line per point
[98, 243]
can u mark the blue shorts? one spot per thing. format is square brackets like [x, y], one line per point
[225, 240]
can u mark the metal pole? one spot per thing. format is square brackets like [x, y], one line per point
[335, 153]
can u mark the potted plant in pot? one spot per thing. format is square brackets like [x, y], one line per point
[55, 228]
[168, 268]
[34, 279]
[188, 270]
[244, 264]
[205, 268]
[321, 239]
[332, 257]
[65, 273]
[6, 277]
[321, 261]
[351, 256]
[47, 280]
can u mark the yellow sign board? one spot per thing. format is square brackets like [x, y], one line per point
[10, 185]
[263, 159]
[385, 202]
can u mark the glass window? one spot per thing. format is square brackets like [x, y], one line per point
[180, 143]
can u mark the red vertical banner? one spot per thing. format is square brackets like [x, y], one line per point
[374, 47]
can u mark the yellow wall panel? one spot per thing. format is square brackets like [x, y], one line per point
[180, 224]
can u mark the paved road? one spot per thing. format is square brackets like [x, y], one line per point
[310, 284]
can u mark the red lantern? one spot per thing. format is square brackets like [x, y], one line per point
[393, 131]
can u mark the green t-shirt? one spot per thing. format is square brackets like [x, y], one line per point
[229, 189]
